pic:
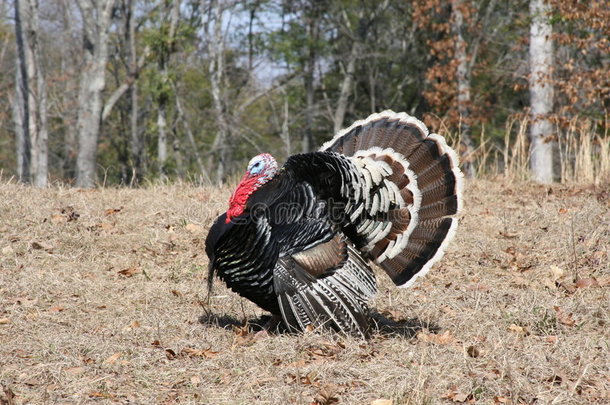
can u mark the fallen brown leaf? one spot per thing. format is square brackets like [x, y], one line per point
[112, 211]
[551, 339]
[205, 353]
[508, 235]
[9, 398]
[74, 370]
[105, 226]
[518, 329]
[112, 359]
[586, 282]
[129, 272]
[327, 395]
[563, 318]
[70, 213]
[444, 338]
[556, 272]
[382, 402]
[98, 394]
[460, 397]
[478, 287]
[58, 218]
[454, 395]
[473, 351]
[132, 325]
[4, 321]
[41, 246]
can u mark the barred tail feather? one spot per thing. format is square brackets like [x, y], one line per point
[337, 301]
[426, 190]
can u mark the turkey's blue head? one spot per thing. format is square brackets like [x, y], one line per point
[260, 170]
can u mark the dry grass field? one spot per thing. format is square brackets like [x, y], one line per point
[103, 300]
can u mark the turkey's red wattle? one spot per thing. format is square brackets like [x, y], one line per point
[237, 202]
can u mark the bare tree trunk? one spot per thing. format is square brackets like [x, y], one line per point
[310, 65]
[70, 92]
[285, 127]
[463, 87]
[31, 113]
[96, 25]
[162, 139]
[346, 87]
[216, 69]
[39, 121]
[163, 100]
[541, 92]
[137, 146]
[20, 106]
[311, 15]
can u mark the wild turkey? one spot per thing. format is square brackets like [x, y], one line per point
[298, 240]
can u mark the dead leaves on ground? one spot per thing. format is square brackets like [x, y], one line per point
[201, 353]
[455, 395]
[112, 211]
[65, 214]
[186, 352]
[526, 274]
[35, 245]
[113, 358]
[382, 402]
[129, 272]
[563, 318]
[444, 339]
[9, 396]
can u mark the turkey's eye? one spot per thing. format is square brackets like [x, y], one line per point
[256, 167]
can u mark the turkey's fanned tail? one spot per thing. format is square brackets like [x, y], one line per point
[411, 189]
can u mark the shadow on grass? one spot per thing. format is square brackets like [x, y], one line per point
[406, 328]
[229, 322]
[380, 325]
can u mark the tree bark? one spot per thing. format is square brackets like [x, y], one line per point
[20, 106]
[164, 59]
[31, 112]
[286, 128]
[96, 25]
[216, 68]
[541, 92]
[346, 86]
[310, 65]
[311, 14]
[68, 67]
[463, 76]
[136, 144]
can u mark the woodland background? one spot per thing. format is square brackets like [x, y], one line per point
[127, 91]
[103, 291]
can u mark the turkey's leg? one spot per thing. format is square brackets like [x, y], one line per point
[269, 326]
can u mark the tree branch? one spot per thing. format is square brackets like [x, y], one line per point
[126, 85]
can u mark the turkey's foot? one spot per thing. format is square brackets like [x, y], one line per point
[269, 327]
